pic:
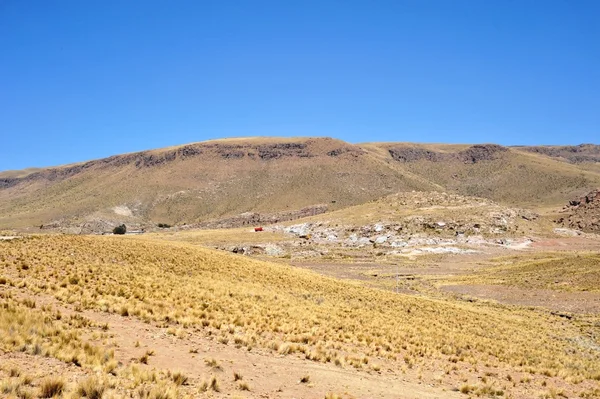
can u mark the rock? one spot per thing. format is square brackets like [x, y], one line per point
[238, 250]
[567, 232]
[381, 239]
[274, 250]
[362, 241]
[582, 213]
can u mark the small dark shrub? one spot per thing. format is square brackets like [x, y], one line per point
[164, 225]
[122, 229]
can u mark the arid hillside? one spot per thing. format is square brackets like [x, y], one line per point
[510, 175]
[212, 180]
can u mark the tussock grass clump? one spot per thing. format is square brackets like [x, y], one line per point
[160, 391]
[91, 388]
[52, 387]
[210, 384]
[179, 378]
[43, 333]
[213, 363]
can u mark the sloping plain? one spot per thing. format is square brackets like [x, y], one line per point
[227, 314]
[213, 179]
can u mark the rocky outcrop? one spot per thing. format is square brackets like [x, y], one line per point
[274, 151]
[9, 182]
[583, 213]
[573, 154]
[412, 154]
[473, 154]
[466, 216]
[353, 151]
[481, 152]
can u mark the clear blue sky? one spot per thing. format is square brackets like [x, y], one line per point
[83, 79]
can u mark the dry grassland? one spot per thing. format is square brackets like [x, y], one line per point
[87, 368]
[220, 236]
[479, 348]
[555, 271]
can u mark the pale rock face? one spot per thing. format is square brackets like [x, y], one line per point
[299, 229]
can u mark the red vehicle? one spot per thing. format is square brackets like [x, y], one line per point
[258, 229]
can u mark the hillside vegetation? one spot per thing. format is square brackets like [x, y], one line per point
[222, 178]
[263, 306]
[554, 271]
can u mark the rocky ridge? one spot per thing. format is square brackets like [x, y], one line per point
[473, 154]
[573, 154]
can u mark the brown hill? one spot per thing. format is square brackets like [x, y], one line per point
[508, 175]
[225, 178]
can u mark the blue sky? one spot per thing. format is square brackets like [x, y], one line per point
[87, 79]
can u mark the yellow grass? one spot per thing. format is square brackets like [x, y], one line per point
[216, 237]
[286, 310]
[555, 271]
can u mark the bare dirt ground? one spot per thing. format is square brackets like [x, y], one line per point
[576, 302]
[431, 274]
[591, 243]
